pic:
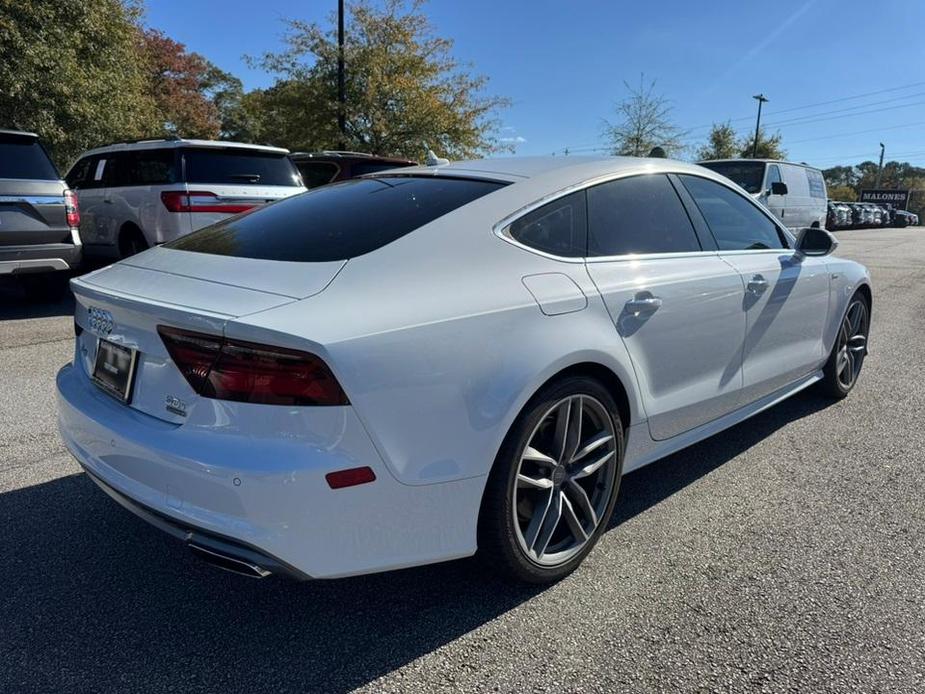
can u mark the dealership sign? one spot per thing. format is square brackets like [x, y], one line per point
[897, 198]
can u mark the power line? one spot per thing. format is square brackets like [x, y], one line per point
[852, 108]
[856, 132]
[822, 103]
[848, 115]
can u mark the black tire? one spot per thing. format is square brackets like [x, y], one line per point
[834, 383]
[499, 546]
[45, 286]
[131, 242]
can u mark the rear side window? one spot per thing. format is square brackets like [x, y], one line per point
[22, 156]
[559, 227]
[317, 173]
[143, 167]
[640, 214]
[816, 183]
[737, 224]
[336, 222]
[236, 165]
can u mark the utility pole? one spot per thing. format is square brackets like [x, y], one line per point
[880, 166]
[761, 99]
[341, 85]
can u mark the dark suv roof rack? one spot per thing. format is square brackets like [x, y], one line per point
[157, 138]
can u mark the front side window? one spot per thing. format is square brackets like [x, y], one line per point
[239, 165]
[79, 174]
[338, 221]
[558, 227]
[639, 214]
[736, 223]
[774, 175]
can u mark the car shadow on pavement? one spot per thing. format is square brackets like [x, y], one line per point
[93, 599]
[15, 305]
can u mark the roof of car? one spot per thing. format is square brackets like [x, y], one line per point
[21, 133]
[339, 154]
[170, 142]
[513, 169]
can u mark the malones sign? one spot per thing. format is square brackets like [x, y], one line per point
[897, 198]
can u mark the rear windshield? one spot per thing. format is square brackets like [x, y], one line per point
[747, 174]
[338, 221]
[23, 157]
[239, 166]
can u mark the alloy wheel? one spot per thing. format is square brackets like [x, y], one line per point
[565, 478]
[852, 344]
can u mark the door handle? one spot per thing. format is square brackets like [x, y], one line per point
[643, 304]
[109, 200]
[757, 285]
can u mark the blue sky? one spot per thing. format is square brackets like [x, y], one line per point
[564, 63]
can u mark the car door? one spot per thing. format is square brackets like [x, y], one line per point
[786, 295]
[675, 304]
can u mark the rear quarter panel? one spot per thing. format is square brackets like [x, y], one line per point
[439, 344]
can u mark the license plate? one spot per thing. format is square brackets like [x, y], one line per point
[114, 369]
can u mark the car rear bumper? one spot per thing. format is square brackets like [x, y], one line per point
[264, 499]
[39, 258]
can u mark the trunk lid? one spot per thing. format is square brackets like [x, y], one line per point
[181, 289]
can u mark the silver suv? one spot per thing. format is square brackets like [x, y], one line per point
[142, 193]
[39, 217]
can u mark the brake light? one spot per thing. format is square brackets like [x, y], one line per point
[239, 371]
[202, 201]
[72, 209]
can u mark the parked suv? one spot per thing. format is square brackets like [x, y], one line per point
[138, 194]
[319, 168]
[39, 217]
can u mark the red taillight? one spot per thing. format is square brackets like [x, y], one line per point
[246, 372]
[72, 209]
[201, 201]
[350, 478]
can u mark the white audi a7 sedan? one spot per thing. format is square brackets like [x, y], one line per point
[421, 364]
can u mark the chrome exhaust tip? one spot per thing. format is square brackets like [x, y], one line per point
[227, 562]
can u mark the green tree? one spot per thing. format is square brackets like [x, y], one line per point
[842, 193]
[722, 143]
[644, 121]
[71, 72]
[769, 147]
[404, 88]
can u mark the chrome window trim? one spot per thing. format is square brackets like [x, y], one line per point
[501, 229]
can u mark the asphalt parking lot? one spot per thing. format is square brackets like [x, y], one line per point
[786, 554]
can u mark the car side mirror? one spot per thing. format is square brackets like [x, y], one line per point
[814, 241]
[778, 188]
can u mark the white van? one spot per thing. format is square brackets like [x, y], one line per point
[138, 194]
[794, 193]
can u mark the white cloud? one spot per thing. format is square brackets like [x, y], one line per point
[516, 140]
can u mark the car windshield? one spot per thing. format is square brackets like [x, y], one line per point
[239, 165]
[748, 174]
[21, 156]
[337, 221]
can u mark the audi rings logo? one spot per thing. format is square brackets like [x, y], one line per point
[100, 321]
